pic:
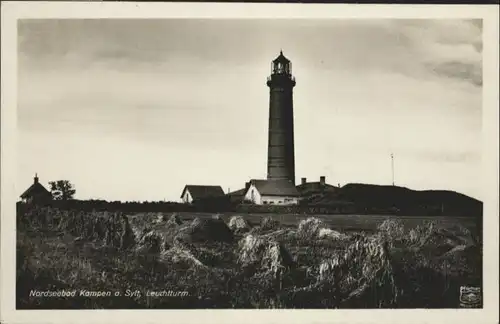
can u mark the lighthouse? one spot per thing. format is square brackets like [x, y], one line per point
[281, 152]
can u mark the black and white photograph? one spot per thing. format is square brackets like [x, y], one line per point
[224, 163]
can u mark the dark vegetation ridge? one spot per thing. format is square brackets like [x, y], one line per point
[353, 198]
[403, 199]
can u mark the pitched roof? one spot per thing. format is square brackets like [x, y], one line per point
[200, 191]
[239, 192]
[315, 186]
[275, 187]
[35, 189]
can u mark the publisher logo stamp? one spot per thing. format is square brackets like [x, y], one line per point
[470, 297]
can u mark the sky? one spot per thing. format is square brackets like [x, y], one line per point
[135, 109]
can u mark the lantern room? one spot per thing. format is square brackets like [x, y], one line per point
[281, 65]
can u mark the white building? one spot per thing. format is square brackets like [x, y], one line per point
[273, 192]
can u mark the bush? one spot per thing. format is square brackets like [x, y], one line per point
[174, 220]
[309, 228]
[330, 234]
[363, 275]
[210, 229]
[239, 225]
[393, 231]
[269, 223]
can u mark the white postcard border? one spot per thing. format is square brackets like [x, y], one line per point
[12, 11]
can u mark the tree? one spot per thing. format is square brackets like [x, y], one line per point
[62, 190]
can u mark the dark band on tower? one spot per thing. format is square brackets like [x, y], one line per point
[281, 155]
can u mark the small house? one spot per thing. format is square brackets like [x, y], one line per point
[192, 193]
[36, 193]
[272, 192]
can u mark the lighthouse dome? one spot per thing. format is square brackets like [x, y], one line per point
[281, 58]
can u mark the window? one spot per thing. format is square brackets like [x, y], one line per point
[280, 67]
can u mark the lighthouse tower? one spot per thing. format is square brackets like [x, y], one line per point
[281, 153]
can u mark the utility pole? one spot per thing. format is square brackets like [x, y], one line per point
[392, 168]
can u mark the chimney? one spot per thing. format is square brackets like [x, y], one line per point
[36, 178]
[322, 180]
[304, 181]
